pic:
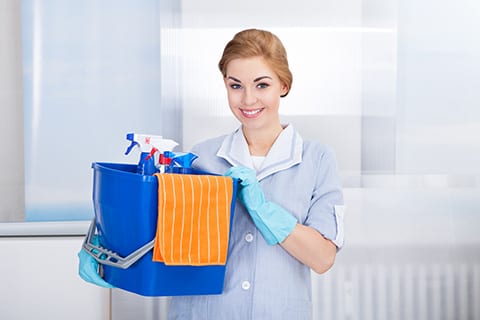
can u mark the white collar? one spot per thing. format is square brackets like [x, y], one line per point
[285, 152]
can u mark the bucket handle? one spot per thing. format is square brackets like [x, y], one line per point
[111, 258]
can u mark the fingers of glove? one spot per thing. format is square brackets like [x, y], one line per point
[246, 176]
[95, 240]
[88, 270]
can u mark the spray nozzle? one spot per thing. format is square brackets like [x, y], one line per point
[147, 143]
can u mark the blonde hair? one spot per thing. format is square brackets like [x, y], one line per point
[258, 43]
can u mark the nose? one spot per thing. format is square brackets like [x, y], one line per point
[249, 98]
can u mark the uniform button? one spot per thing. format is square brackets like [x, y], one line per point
[249, 237]
[246, 285]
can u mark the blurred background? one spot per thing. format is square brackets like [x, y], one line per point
[392, 86]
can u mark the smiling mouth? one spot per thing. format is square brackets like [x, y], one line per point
[251, 113]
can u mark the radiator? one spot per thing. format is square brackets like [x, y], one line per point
[421, 286]
[373, 284]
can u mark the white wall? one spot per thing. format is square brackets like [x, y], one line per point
[39, 280]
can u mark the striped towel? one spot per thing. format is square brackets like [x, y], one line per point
[193, 219]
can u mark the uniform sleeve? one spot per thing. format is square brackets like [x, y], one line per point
[327, 208]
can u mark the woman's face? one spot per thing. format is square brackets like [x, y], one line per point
[254, 91]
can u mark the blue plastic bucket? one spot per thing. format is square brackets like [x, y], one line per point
[126, 219]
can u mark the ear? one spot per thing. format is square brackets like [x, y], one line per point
[284, 91]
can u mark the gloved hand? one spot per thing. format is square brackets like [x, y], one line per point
[273, 221]
[88, 268]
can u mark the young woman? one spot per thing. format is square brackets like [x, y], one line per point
[290, 218]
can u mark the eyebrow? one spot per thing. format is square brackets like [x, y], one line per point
[261, 78]
[234, 79]
[255, 80]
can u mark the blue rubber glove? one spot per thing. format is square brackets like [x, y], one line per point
[88, 268]
[273, 222]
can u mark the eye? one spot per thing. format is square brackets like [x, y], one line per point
[235, 86]
[263, 85]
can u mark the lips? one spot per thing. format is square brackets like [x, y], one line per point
[251, 113]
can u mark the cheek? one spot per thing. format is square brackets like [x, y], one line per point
[272, 101]
[233, 98]
[231, 101]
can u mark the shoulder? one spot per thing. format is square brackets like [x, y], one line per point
[317, 150]
[313, 149]
[320, 159]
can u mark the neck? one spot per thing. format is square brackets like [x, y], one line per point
[260, 141]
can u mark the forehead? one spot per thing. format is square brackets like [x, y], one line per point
[249, 68]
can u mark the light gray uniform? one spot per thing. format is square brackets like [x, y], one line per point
[262, 281]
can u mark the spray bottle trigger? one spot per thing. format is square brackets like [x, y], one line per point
[150, 155]
[131, 146]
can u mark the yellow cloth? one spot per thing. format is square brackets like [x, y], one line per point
[193, 219]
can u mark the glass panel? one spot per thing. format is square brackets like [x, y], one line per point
[92, 74]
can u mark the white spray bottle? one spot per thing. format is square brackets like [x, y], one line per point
[149, 145]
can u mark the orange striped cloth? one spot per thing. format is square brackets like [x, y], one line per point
[193, 219]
